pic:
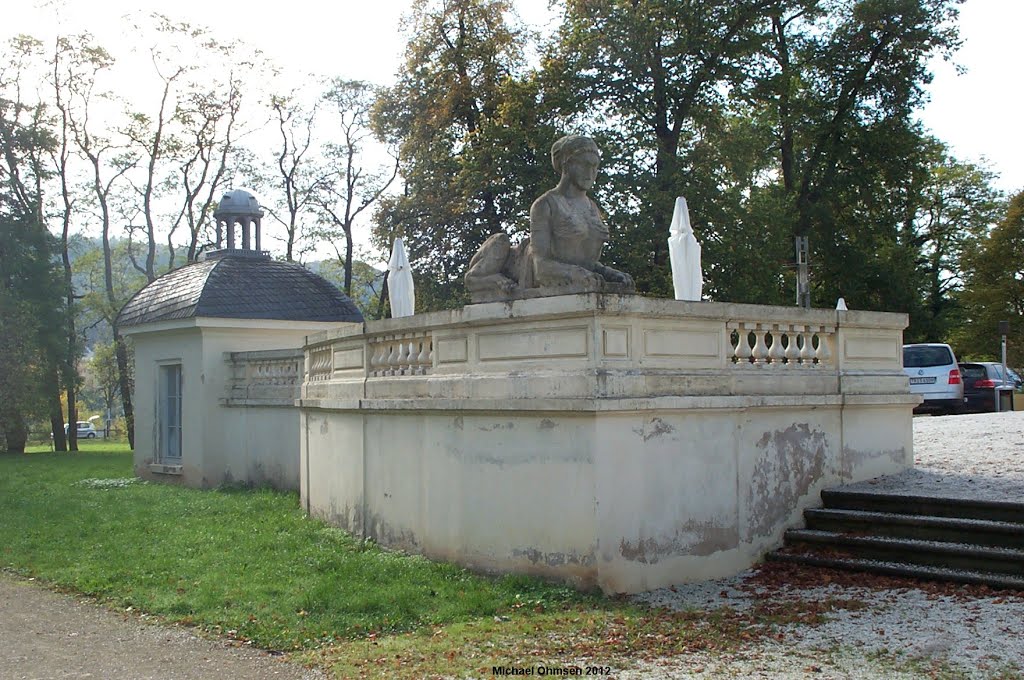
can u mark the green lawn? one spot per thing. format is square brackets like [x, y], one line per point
[241, 561]
[250, 566]
[84, 446]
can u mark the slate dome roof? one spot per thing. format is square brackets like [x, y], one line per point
[239, 202]
[239, 285]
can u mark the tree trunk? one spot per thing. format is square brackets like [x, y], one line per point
[348, 260]
[16, 435]
[60, 441]
[125, 386]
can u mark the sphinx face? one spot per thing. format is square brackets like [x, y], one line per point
[582, 170]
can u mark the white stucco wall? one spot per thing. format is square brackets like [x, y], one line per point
[222, 443]
[607, 442]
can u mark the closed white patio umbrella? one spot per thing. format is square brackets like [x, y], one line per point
[684, 253]
[400, 286]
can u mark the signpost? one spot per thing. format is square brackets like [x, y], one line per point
[803, 273]
[1004, 330]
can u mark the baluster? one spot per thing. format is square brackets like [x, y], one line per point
[402, 360]
[392, 359]
[742, 351]
[792, 351]
[775, 352]
[806, 348]
[824, 354]
[377, 357]
[760, 352]
[414, 355]
[415, 350]
[424, 356]
[411, 351]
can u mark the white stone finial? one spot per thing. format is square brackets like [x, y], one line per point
[684, 254]
[841, 305]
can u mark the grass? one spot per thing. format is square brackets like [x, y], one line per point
[84, 446]
[250, 566]
[246, 563]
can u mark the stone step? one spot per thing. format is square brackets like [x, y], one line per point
[942, 554]
[903, 569]
[921, 527]
[992, 510]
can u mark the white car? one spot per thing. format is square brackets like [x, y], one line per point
[84, 429]
[935, 375]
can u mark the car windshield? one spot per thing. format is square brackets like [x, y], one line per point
[925, 356]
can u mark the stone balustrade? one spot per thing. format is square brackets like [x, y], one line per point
[264, 378]
[608, 347]
[400, 354]
[781, 344]
[320, 364]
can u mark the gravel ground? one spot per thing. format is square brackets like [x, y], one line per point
[46, 635]
[903, 632]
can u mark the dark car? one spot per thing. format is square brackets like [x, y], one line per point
[981, 379]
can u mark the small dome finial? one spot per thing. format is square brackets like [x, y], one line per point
[238, 206]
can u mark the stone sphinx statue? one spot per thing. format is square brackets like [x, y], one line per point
[567, 233]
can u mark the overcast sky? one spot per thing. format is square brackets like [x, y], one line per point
[977, 113]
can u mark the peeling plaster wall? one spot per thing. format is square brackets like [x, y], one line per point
[332, 479]
[439, 485]
[609, 441]
[622, 501]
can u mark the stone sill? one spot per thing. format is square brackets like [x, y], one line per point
[161, 469]
[626, 405]
[280, 402]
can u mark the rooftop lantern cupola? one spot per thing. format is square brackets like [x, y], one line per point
[239, 207]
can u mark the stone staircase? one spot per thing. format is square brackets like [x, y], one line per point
[951, 539]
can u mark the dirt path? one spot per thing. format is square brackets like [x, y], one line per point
[47, 635]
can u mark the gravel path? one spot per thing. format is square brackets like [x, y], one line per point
[47, 635]
[895, 631]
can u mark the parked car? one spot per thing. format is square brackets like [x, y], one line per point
[935, 375]
[981, 379]
[85, 430]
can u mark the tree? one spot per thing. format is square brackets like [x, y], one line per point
[298, 173]
[840, 82]
[472, 142]
[774, 118]
[994, 290]
[82, 60]
[28, 281]
[957, 207]
[102, 374]
[30, 305]
[651, 78]
[187, 138]
[348, 188]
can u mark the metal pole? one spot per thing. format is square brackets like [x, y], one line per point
[803, 285]
[1004, 330]
[1003, 383]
